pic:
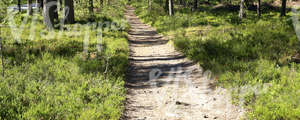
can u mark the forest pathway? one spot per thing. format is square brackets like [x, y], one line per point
[163, 85]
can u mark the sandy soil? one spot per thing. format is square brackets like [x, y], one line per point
[163, 85]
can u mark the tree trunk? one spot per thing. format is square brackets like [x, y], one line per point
[167, 5]
[60, 2]
[171, 12]
[29, 11]
[60, 5]
[2, 58]
[42, 4]
[181, 2]
[258, 8]
[283, 8]
[248, 3]
[50, 13]
[19, 5]
[242, 13]
[39, 4]
[91, 7]
[195, 5]
[149, 5]
[108, 2]
[69, 11]
[172, 6]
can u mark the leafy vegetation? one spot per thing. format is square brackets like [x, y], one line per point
[51, 74]
[255, 51]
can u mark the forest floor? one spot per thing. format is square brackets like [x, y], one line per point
[164, 85]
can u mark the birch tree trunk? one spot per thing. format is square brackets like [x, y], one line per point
[50, 13]
[149, 5]
[171, 12]
[242, 12]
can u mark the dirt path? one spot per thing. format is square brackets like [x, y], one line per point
[164, 85]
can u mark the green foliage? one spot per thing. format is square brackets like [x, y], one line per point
[48, 76]
[232, 46]
[3, 7]
[54, 88]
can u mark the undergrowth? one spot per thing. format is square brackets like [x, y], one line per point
[49, 74]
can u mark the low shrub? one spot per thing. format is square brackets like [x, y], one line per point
[60, 74]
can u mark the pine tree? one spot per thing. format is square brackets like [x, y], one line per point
[69, 11]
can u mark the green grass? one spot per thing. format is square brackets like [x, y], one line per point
[50, 77]
[248, 52]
